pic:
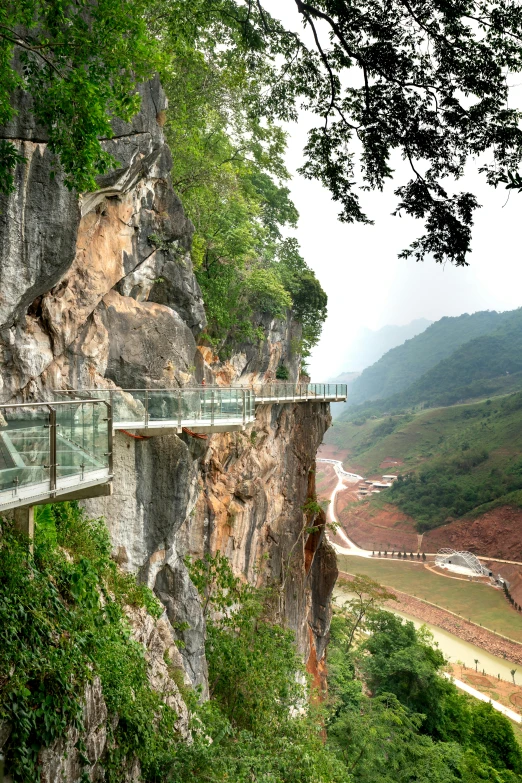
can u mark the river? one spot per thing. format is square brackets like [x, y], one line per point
[456, 649]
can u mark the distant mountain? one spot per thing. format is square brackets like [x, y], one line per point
[486, 365]
[368, 346]
[454, 439]
[400, 367]
[338, 408]
[345, 377]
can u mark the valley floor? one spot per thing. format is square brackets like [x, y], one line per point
[481, 604]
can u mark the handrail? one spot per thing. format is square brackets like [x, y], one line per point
[47, 403]
[65, 446]
[339, 387]
[210, 407]
[50, 448]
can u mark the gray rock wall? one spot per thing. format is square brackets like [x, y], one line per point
[88, 298]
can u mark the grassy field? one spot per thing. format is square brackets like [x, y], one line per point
[471, 600]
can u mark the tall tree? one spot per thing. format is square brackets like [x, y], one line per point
[426, 78]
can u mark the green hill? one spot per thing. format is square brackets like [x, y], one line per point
[485, 366]
[455, 461]
[402, 366]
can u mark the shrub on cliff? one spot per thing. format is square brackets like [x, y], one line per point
[259, 718]
[62, 623]
[80, 65]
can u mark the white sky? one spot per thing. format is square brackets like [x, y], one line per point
[367, 285]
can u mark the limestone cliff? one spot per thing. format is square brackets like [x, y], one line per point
[100, 291]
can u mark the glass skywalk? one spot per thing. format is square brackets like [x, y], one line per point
[203, 409]
[48, 450]
[63, 449]
[216, 409]
[300, 392]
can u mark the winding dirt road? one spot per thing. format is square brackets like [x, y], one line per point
[353, 478]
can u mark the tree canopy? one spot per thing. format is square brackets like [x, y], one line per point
[428, 80]
[393, 717]
[228, 168]
[79, 64]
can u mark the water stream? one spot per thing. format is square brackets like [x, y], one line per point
[456, 649]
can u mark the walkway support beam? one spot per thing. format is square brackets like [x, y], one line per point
[52, 450]
[24, 522]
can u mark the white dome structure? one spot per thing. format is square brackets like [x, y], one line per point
[460, 562]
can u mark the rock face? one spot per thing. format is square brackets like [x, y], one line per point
[62, 761]
[80, 293]
[99, 291]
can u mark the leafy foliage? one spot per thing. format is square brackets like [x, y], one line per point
[424, 79]
[80, 66]
[403, 721]
[57, 634]
[62, 622]
[228, 168]
[258, 718]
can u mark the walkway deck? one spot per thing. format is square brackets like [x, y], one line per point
[204, 409]
[63, 449]
[300, 392]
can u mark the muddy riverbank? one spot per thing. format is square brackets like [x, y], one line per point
[469, 632]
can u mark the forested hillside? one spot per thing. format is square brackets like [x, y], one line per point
[452, 461]
[401, 366]
[487, 365]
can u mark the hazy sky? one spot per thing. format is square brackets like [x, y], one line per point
[367, 285]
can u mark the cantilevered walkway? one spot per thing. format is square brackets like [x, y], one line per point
[54, 451]
[62, 450]
[202, 408]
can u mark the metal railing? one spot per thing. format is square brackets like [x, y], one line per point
[191, 407]
[51, 448]
[202, 407]
[320, 392]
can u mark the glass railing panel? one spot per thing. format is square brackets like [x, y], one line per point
[127, 406]
[24, 447]
[195, 405]
[82, 438]
[101, 434]
[221, 404]
[161, 404]
[210, 402]
[227, 404]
